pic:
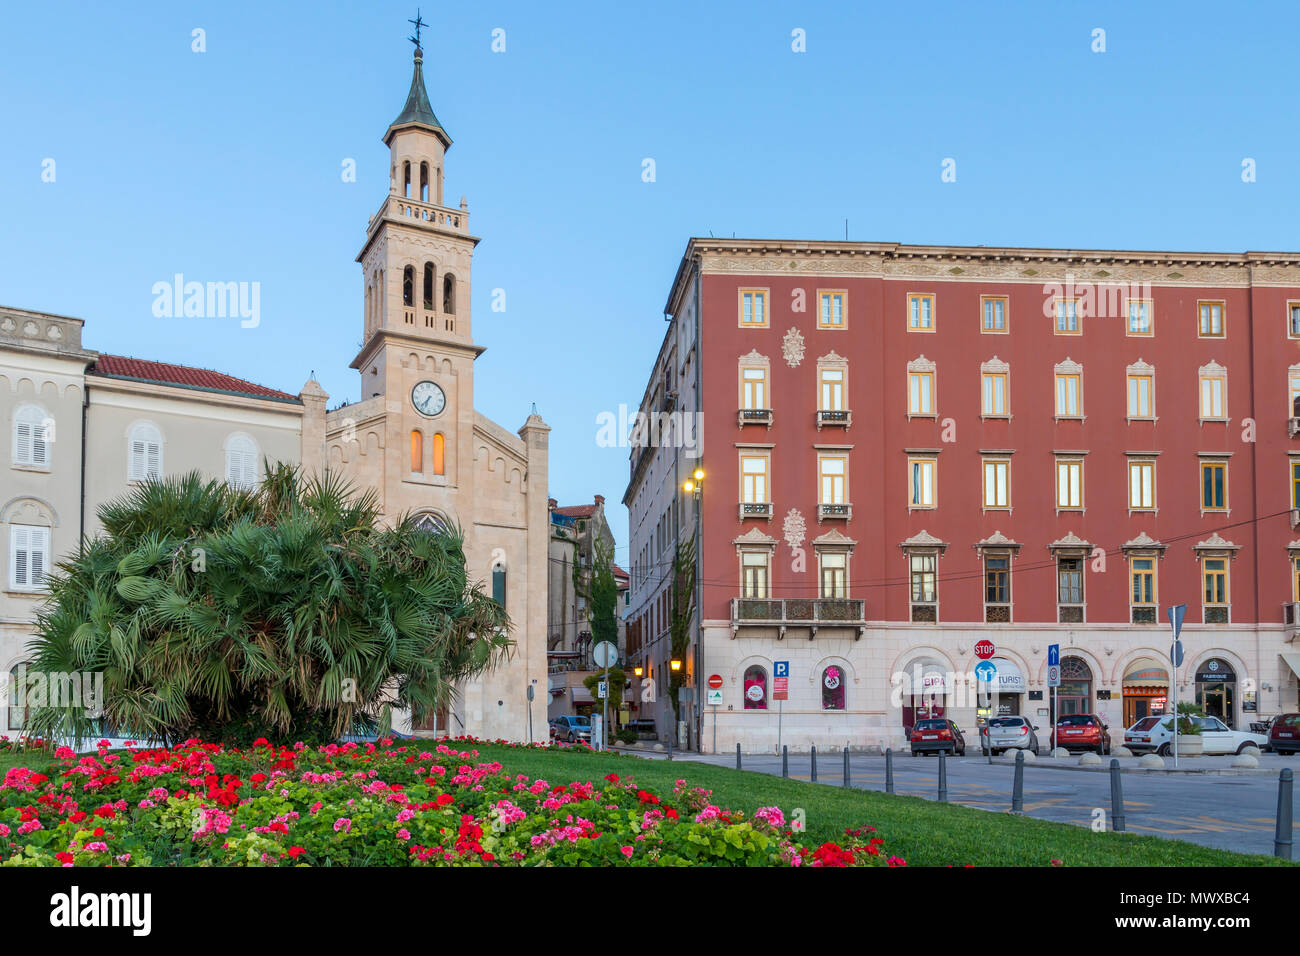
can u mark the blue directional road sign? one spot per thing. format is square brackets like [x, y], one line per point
[986, 671]
[1053, 655]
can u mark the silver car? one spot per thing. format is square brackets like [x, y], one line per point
[1008, 733]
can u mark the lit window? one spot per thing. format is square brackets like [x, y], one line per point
[439, 453]
[1069, 484]
[997, 484]
[1214, 486]
[834, 571]
[1068, 390]
[1141, 485]
[1141, 393]
[920, 312]
[921, 482]
[832, 313]
[753, 479]
[417, 451]
[754, 573]
[993, 309]
[1214, 395]
[995, 393]
[753, 308]
[1210, 316]
[1142, 571]
[29, 557]
[33, 431]
[920, 393]
[832, 474]
[1140, 321]
[1214, 572]
[832, 389]
[1067, 317]
[753, 388]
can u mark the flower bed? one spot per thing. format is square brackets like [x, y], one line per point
[394, 804]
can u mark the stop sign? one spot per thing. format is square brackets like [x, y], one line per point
[984, 650]
[715, 681]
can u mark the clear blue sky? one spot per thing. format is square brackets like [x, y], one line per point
[225, 165]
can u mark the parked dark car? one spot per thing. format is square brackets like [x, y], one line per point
[1082, 732]
[1284, 734]
[935, 734]
[571, 729]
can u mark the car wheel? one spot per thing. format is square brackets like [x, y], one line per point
[1163, 750]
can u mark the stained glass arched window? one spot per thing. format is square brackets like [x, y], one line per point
[432, 523]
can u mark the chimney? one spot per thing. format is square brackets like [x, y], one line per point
[600, 500]
[551, 504]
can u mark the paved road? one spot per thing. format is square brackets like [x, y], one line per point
[1223, 811]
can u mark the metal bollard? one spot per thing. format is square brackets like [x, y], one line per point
[812, 756]
[847, 781]
[889, 770]
[1018, 784]
[785, 760]
[943, 777]
[737, 756]
[1116, 799]
[1282, 837]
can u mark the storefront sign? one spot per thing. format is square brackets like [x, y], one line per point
[1215, 671]
[1009, 679]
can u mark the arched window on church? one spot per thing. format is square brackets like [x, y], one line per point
[417, 451]
[432, 523]
[449, 294]
[438, 452]
[406, 180]
[424, 182]
[428, 286]
[408, 286]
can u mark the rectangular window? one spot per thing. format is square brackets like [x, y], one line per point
[1140, 320]
[920, 393]
[1214, 486]
[921, 482]
[1293, 320]
[1069, 581]
[1293, 392]
[997, 579]
[993, 309]
[1295, 483]
[1141, 485]
[920, 312]
[1141, 391]
[924, 578]
[1069, 387]
[29, 557]
[753, 479]
[1210, 325]
[753, 388]
[1069, 484]
[1142, 571]
[1295, 579]
[753, 308]
[1214, 572]
[997, 483]
[1214, 398]
[1067, 317]
[995, 393]
[832, 389]
[832, 475]
[754, 574]
[834, 574]
[833, 312]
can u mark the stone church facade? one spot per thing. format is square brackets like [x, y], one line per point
[84, 426]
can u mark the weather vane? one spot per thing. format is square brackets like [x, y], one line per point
[417, 23]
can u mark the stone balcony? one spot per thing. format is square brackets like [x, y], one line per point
[810, 613]
[404, 209]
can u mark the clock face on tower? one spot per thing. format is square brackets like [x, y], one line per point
[428, 399]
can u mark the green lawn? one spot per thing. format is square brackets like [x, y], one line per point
[922, 832]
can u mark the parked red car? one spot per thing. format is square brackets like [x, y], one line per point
[1082, 732]
[1284, 734]
[935, 734]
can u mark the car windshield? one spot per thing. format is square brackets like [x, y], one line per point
[1146, 723]
[931, 724]
[579, 722]
[1007, 722]
[1076, 720]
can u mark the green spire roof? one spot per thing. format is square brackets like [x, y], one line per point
[417, 111]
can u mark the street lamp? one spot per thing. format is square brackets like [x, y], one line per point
[675, 664]
[638, 670]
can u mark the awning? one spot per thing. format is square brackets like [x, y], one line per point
[1009, 680]
[1293, 662]
[581, 695]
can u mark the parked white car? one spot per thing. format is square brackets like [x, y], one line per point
[1157, 734]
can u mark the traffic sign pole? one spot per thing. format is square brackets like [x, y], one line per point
[1054, 678]
[1176, 615]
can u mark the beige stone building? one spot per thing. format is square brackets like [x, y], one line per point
[84, 426]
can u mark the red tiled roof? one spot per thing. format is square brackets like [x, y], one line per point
[576, 511]
[620, 573]
[121, 366]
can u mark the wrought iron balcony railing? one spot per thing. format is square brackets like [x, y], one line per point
[812, 613]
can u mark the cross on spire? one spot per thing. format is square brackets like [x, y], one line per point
[418, 22]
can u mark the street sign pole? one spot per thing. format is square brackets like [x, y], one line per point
[1054, 661]
[1176, 615]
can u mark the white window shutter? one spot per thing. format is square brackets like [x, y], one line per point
[40, 448]
[23, 443]
[19, 540]
[40, 555]
[137, 460]
[153, 460]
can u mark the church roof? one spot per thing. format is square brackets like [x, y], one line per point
[164, 373]
[418, 111]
